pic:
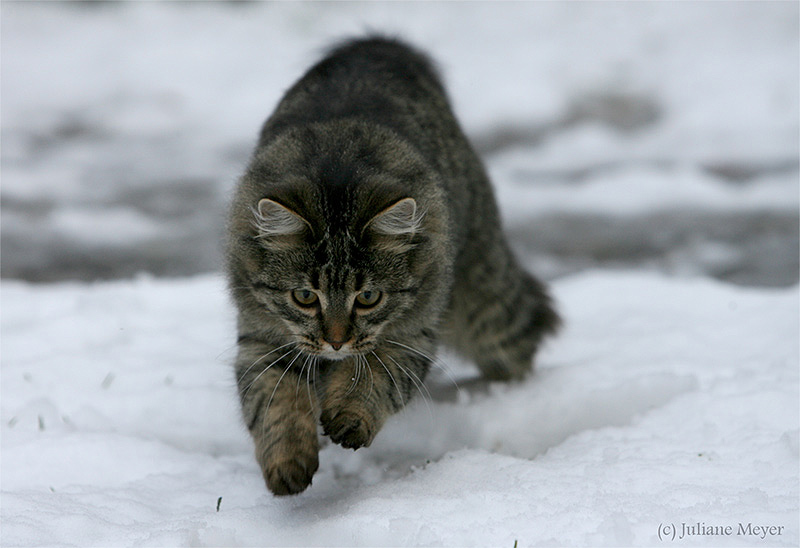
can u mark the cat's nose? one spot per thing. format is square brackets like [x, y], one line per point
[336, 345]
[336, 332]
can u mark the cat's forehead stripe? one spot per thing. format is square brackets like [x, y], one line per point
[335, 276]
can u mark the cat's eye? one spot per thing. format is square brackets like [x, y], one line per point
[367, 299]
[304, 297]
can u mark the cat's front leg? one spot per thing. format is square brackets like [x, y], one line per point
[363, 391]
[279, 409]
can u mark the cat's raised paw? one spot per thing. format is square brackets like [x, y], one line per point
[292, 476]
[347, 429]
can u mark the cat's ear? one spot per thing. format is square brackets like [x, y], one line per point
[276, 222]
[399, 219]
[393, 227]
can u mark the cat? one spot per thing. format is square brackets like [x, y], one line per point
[363, 234]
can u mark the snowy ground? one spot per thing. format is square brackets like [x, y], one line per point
[663, 402]
[646, 160]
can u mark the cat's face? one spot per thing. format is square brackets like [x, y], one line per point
[339, 241]
[336, 287]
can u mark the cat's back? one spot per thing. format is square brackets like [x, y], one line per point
[377, 79]
[375, 59]
[382, 90]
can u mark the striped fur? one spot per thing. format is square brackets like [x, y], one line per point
[363, 234]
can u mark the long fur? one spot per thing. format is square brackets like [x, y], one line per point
[364, 189]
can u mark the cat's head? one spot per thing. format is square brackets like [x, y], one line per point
[336, 290]
[339, 255]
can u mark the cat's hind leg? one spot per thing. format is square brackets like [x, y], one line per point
[499, 315]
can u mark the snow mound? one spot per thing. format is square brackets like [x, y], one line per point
[663, 402]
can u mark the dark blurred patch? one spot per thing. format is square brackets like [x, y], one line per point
[145, 178]
[753, 248]
[620, 111]
[190, 215]
[733, 171]
[749, 248]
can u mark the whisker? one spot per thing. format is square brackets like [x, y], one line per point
[418, 383]
[399, 393]
[356, 375]
[249, 386]
[262, 357]
[300, 378]
[371, 376]
[434, 361]
[315, 363]
[227, 349]
[288, 367]
[269, 403]
[308, 385]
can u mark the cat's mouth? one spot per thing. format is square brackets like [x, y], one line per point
[336, 351]
[336, 355]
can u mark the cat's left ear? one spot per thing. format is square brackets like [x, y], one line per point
[393, 227]
[399, 219]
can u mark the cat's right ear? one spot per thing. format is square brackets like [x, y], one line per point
[277, 224]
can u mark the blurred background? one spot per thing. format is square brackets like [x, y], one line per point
[658, 136]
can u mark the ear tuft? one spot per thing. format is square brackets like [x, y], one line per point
[274, 219]
[399, 219]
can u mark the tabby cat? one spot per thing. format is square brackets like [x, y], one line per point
[363, 233]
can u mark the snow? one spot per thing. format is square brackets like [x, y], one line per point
[143, 114]
[670, 398]
[723, 79]
[663, 401]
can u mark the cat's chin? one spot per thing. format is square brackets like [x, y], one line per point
[328, 353]
[342, 354]
[336, 355]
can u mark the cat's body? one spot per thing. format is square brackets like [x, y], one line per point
[364, 233]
